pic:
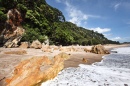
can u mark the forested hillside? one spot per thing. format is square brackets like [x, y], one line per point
[41, 21]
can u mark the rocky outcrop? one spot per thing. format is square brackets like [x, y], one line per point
[99, 49]
[36, 44]
[13, 31]
[37, 69]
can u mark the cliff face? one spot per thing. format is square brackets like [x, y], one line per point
[37, 69]
[13, 31]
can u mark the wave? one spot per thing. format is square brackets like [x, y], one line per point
[113, 70]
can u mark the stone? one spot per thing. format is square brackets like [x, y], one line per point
[36, 70]
[46, 48]
[12, 42]
[67, 49]
[24, 45]
[87, 50]
[84, 60]
[99, 49]
[36, 44]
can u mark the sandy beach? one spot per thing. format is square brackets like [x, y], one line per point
[9, 61]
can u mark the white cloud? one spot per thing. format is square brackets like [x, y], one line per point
[116, 38]
[76, 16]
[116, 6]
[101, 30]
[121, 39]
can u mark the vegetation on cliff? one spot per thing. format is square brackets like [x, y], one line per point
[41, 20]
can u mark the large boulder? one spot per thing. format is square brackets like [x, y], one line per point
[36, 44]
[99, 49]
[24, 45]
[13, 31]
[36, 70]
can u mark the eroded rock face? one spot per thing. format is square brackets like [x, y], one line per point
[37, 69]
[99, 49]
[13, 31]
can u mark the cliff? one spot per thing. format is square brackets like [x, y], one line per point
[13, 31]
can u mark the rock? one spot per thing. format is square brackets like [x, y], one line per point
[99, 49]
[36, 70]
[54, 47]
[67, 49]
[24, 45]
[12, 42]
[20, 52]
[87, 50]
[84, 60]
[13, 31]
[46, 41]
[62, 55]
[46, 48]
[36, 44]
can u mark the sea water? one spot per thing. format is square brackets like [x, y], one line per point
[113, 70]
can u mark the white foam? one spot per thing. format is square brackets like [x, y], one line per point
[123, 50]
[113, 70]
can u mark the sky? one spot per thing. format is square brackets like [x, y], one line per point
[109, 17]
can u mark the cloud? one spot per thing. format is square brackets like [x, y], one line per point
[75, 15]
[116, 38]
[116, 6]
[101, 30]
[121, 39]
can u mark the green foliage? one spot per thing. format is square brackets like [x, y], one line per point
[40, 20]
[33, 34]
[3, 17]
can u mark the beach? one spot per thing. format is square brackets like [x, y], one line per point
[113, 70]
[9, 61]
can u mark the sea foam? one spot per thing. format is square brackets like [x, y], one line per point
[113, 70]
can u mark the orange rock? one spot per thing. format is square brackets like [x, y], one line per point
[36, 44]
[99, 49]
[37, 69]
[24, 45]
[84, 60]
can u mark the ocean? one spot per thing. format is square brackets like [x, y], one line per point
[113, 70]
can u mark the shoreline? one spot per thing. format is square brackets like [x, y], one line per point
[91, 58]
